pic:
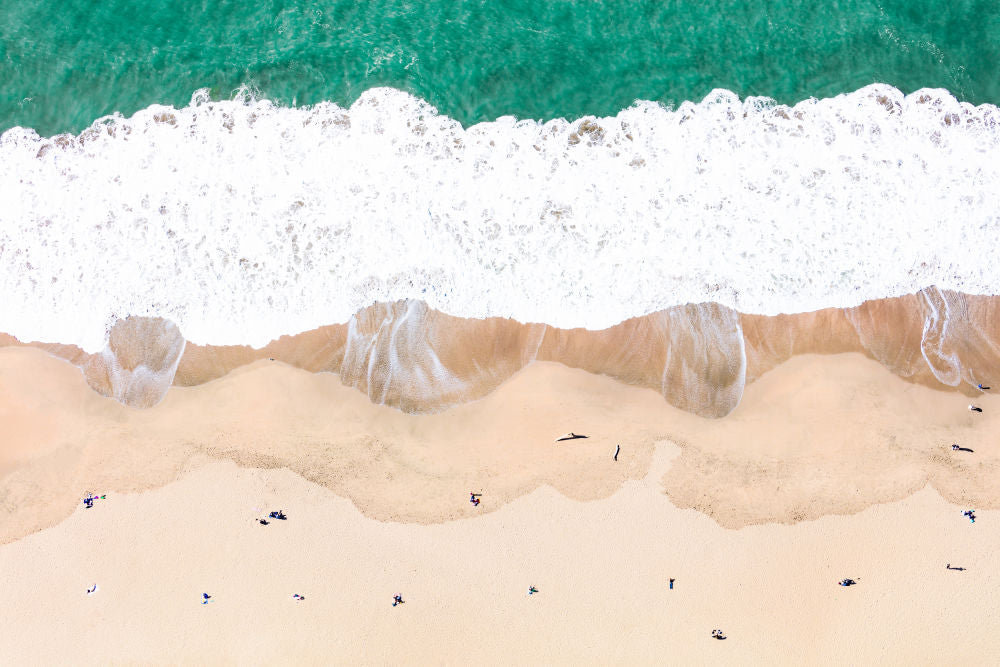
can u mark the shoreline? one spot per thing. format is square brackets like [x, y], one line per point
[699, 357]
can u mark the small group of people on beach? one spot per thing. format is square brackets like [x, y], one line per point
[279, 515]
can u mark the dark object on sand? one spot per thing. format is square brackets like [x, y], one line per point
[298, 597]
[671, 584]
[617, 451]
[397, 599]
[205, 598]
[532, 590]
[847, 582]
[974, 408]
[982, 388]
[718, 634]
[571, 436]
[263, 522]
[278, 515]
[957, 569]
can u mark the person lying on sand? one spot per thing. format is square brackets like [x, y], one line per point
[278, 515]
[92, 589]
[718, 634]
[397, 599]
[847, 582]
[532, 590]
[298, 597]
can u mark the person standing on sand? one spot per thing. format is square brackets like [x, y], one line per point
[982, 388]
[617, 451]
[974, 408]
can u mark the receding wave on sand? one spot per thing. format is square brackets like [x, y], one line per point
[699, 357]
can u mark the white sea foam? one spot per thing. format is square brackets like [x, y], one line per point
[241, 221]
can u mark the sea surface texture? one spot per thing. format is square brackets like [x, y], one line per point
[64, 64]
[248, 170]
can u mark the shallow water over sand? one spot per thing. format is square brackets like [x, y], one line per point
[699, 356]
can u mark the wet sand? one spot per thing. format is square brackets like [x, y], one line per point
[699, 357]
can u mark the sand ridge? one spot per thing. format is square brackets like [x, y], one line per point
[817, 435]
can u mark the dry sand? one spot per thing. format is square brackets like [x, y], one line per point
[817, 437]
[601, 568]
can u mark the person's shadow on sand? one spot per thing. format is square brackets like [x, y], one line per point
[571, 436]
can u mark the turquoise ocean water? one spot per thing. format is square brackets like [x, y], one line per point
[64, 64]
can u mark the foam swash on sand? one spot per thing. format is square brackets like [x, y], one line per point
[241, 221]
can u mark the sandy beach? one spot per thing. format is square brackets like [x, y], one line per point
[831, 467]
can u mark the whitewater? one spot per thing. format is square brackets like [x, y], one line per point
[242, 221]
